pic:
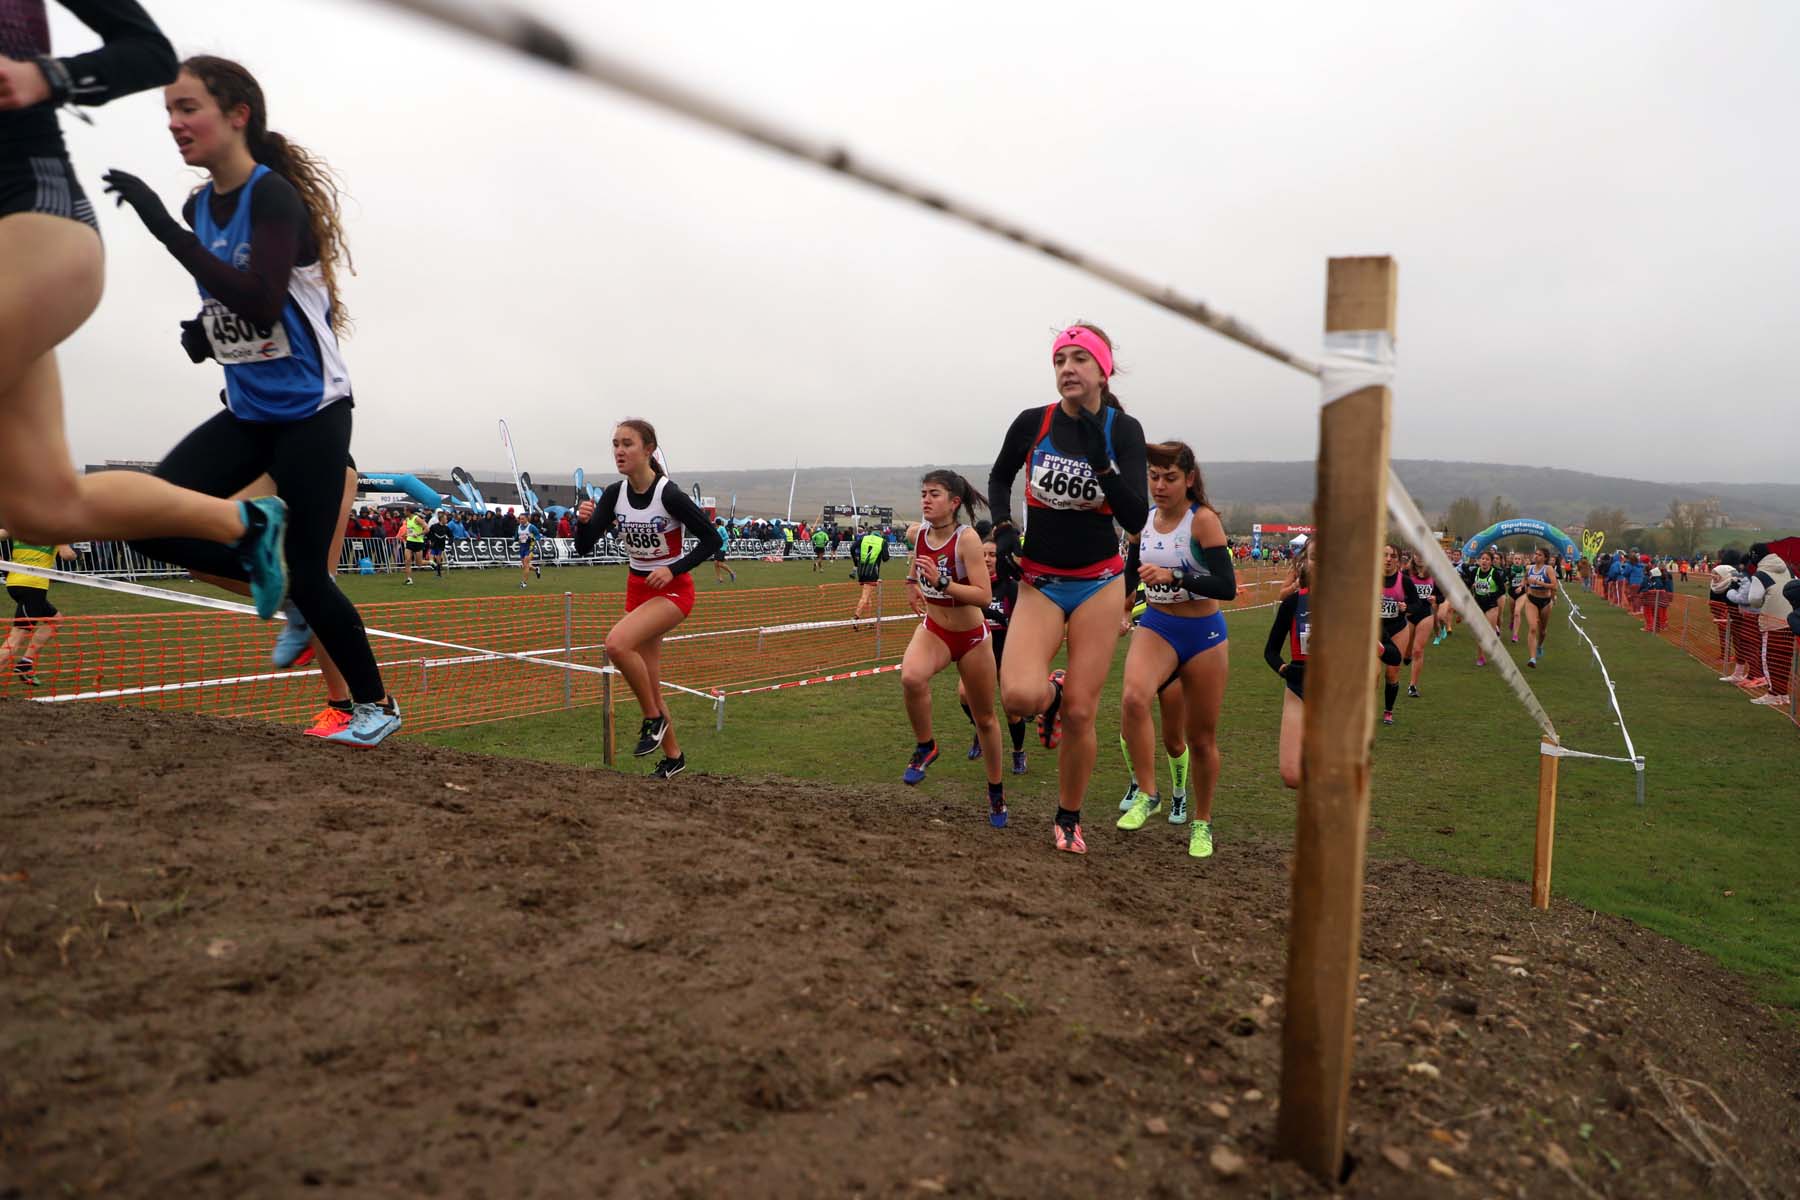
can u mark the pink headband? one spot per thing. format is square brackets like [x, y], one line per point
[1086, 339]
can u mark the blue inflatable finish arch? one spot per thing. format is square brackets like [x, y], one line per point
[412, 485]
[1522, 525]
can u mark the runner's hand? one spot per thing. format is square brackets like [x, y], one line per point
[1151, 573]
[195, 341]
[143, 200]
[659, 579]
[1093, 442]
[22, 84]
[584, 510]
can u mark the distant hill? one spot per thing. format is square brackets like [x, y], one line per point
[1284, 490]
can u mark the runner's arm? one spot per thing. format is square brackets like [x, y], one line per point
[1132, 560]
[1014, 450]
[257, 293]
[1217, 578]
[135, 55]
[589, 532]
[1127, 487]
[1278, 633]
[682, 507]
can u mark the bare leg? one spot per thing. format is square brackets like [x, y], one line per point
[625, 644]
[1093, 636]
[50, 281]
[1147, 663]
[1293, 731]
[978, 677]
[1203, 686]
[925, 656]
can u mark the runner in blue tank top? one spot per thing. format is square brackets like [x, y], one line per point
[264, 250]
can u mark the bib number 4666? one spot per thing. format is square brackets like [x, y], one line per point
[1063, 486]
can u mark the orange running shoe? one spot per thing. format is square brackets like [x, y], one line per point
[327, 722]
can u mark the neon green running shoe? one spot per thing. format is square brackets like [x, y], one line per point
[1146, 805]
[1200, 843]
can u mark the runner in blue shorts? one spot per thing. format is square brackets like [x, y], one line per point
[1187, 571]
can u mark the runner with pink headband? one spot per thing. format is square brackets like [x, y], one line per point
[1085, 470]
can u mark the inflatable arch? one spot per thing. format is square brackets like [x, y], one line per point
[1522, 525]
[412, 485]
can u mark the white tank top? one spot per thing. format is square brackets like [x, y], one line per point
[1173, 551]
[652, 537]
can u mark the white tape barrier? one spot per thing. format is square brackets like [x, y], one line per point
[1412, 527]
[1612, 693]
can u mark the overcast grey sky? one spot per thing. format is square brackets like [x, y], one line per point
[1593, 205]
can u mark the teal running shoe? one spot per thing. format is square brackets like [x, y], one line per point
[294, 638]
[369, 725]
[262, 551]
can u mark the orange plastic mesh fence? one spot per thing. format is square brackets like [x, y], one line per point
[1722, 636]
[212, 662]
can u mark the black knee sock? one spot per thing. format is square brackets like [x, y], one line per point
[1390, 691]
[1017, 729]
[968, 714]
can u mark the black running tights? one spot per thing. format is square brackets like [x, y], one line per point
[306, 459]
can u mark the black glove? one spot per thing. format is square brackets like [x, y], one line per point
[1093, 442]
[133, 191]
[1006, 541]
[195, 341]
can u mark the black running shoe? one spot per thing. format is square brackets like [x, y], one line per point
[650, 735]
[1412, 689]
[26, 670]
[669, 768]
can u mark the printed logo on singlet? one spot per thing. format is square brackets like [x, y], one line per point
[647, 539]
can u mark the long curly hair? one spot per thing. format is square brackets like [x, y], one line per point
[230, 84]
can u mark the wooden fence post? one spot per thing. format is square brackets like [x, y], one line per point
[1546, 830]
[1325, 922]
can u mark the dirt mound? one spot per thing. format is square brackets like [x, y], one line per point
[237, 963]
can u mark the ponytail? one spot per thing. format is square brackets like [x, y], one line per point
[964, 491]
[231, 85]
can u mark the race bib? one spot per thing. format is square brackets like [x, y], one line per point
[1065, 483]
[1390, 608]
[1305, 637]
[1165, 593]
[237, 341]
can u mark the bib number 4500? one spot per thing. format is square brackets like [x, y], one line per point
[236, 340]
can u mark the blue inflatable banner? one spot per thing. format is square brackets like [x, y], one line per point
[1516, 526]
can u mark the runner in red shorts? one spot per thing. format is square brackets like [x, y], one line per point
[654, 517]
[948, 586]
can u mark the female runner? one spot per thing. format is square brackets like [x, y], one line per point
[948, 586]
[1515, 591]
[1171, 709]
[1487, 584]
[264, 249]
[1003, 586]
[1420, 621]
[652, 514]
[1540, 593]
[1398, 598]
[1085, 469]
[51, 275]
[1293, 625]
[1187, 572]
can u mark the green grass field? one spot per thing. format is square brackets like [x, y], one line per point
[1709, 860]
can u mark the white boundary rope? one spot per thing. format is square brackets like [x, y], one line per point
[1612, 693]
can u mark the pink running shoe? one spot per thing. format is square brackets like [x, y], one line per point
[1070, 840]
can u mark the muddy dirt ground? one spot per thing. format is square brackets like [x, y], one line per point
[234, 963]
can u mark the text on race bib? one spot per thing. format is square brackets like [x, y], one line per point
[236, 340]
[1390, 607]
[1058, 482]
